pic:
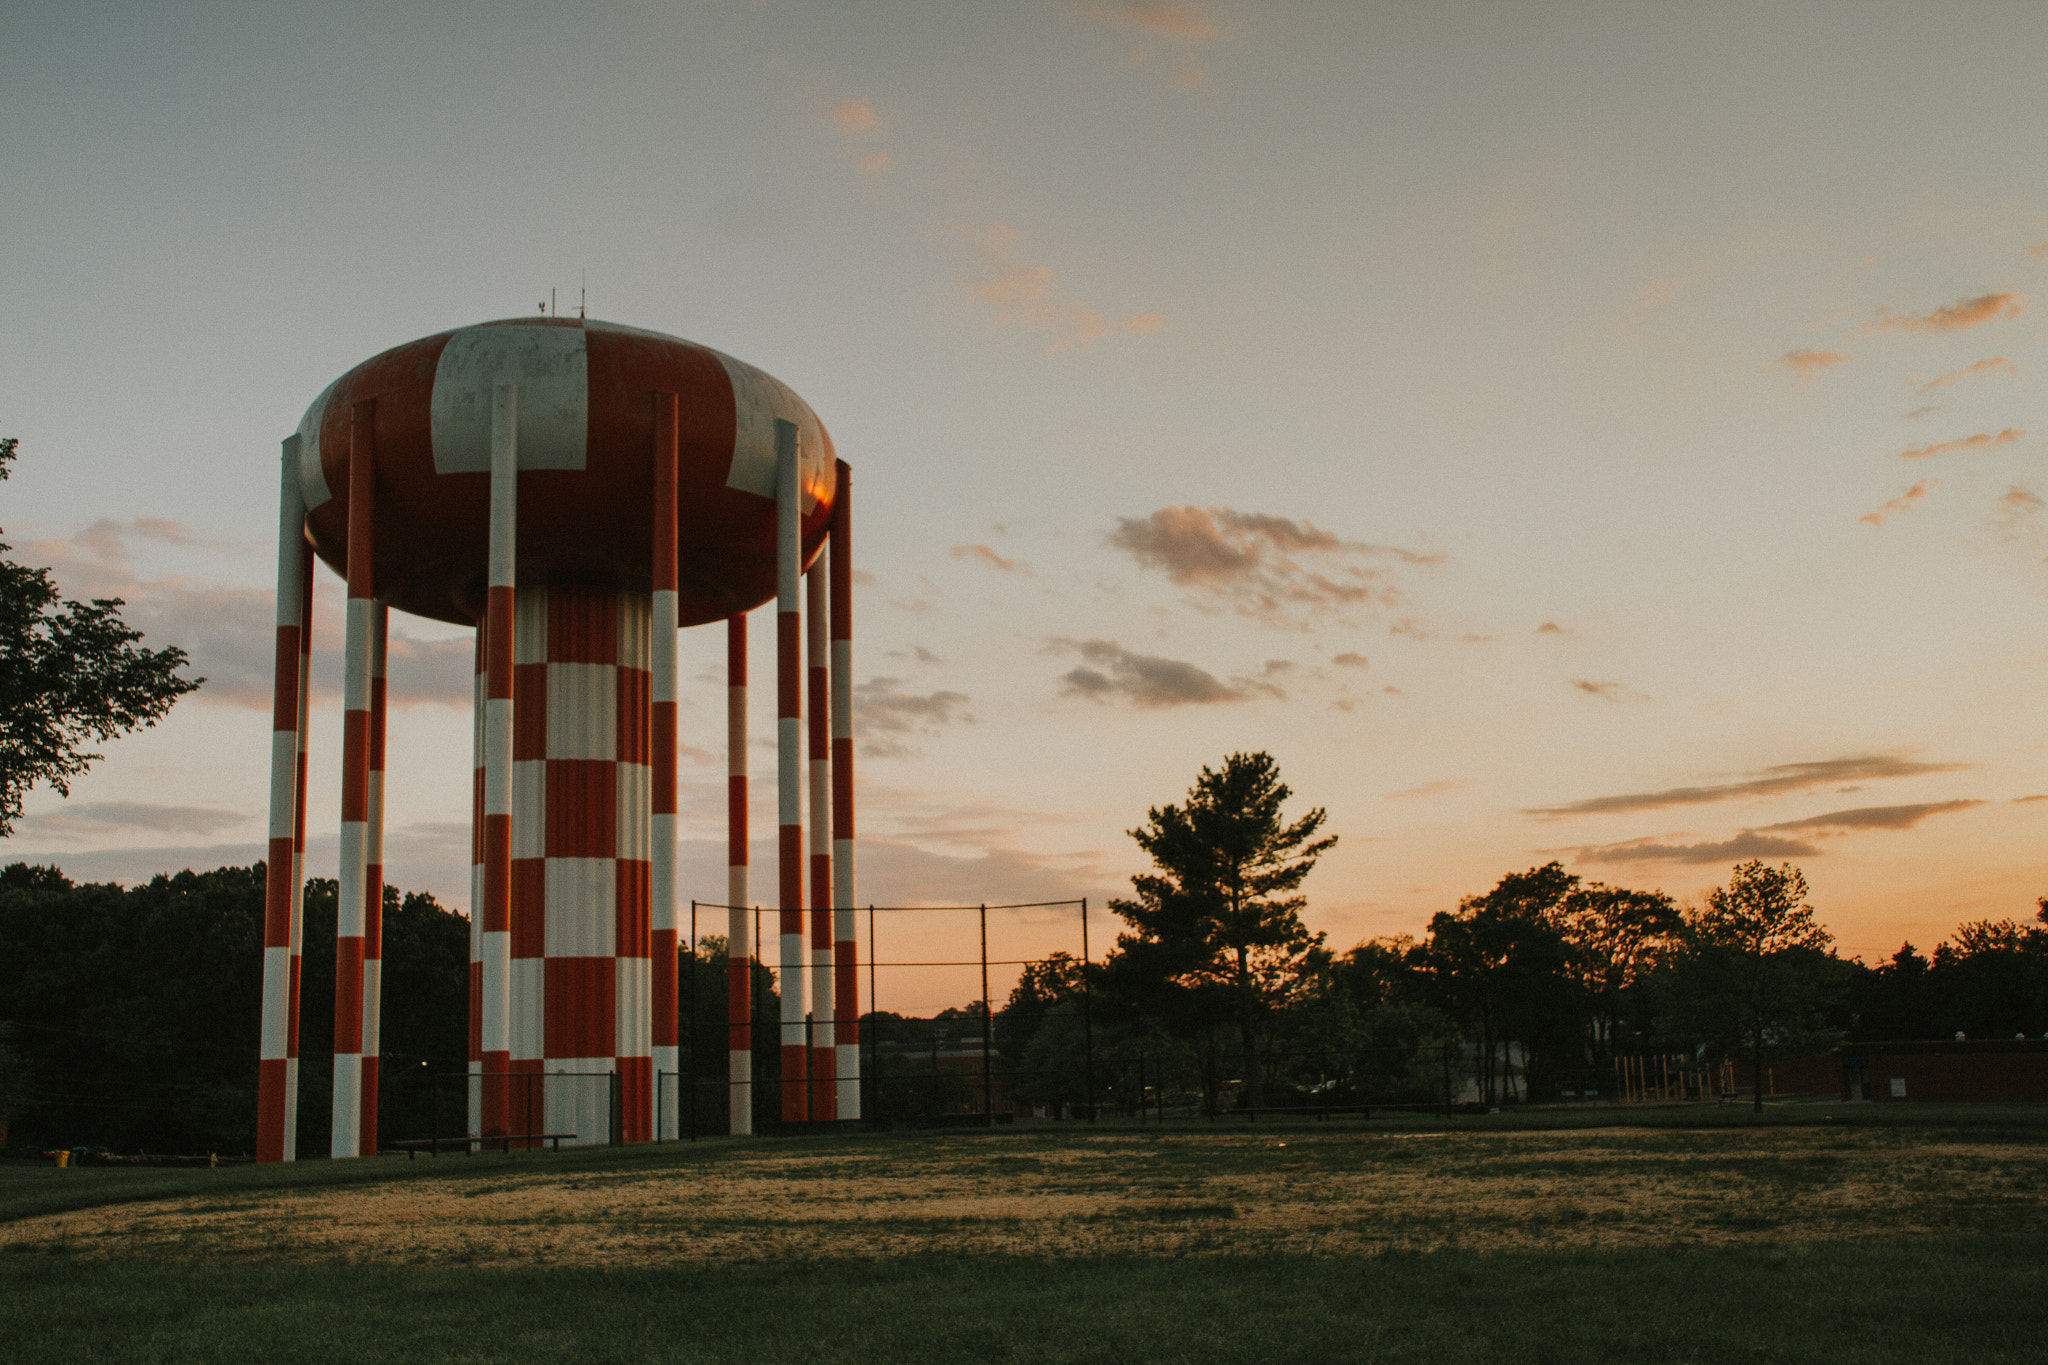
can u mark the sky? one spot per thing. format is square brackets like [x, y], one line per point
[1597, 432]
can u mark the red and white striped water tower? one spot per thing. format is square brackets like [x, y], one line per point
[577, 491]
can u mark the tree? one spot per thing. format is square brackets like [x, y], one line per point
[1500, 963]
[1616, 936]
[69, 675]
[1757, 969]
[1219, 919]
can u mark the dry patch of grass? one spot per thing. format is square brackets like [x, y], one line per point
[1321, 1194]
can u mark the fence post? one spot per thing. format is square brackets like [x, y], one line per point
[988, 1113]
[1087, 1018]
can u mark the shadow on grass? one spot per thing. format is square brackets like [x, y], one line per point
[1973, 1299]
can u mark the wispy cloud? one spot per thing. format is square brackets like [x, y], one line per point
[1606, 691]
[882, 705]
[1959, 316]
[858, 127]
[1808, 363]
[1996, 364]
[1020, 294]
[1259, 565]
[1746, 845]
[1351, 660]
[105, 819]
[1875, 817]
[1551, 628]
[2015, 505]
[2039, 251]
[1780, 780]
[1426, 789]
[984, 554]
[1109, 672]
[1902, 503]
[1981, 441]
[1182, 27]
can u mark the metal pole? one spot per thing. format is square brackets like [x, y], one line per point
[371, 1039]
[987, 1029]
[789, 750]
[691, 1033]
[1087, 1017]
[874, 1068]
[352, 906]
[276, 1073]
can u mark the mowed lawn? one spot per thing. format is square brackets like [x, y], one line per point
[1824, 1233]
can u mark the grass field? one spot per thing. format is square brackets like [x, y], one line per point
[1823, 1233]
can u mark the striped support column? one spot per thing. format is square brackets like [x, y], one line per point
[789, 738]
[373, 878]
[476, 890]
[739, 935]
[824, 1067]
[277, 1067]
[581, 870]
[494, 1024]
[350, 912]
[662, 818]
[298, 912]
[845, 956]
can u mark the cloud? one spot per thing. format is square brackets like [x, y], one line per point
[2015, 505]
[1990, 365]
[1426, 789]
[856, 116]
[229, 632]
[1980, 441]
[2023, 800]
[1959, 316]
[1147, 679]
[1183, 27]
[1551, 628]
[1020, 294]
[1922, 411]
[1606, 691]
[883, 708]
[1875, 817]
[1350, 660]
[857, 127]
[102, 819]
[2039, 251]
[987, 555]
[1808, 363]
[1780, 780]
[1260, 565]
[1746, 845]
[1902, 503]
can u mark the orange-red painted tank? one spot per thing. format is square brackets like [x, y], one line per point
[586, 436]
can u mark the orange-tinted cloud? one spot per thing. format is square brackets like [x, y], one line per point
[1980, 441]
[1959, 316]
[1109, 672]
[1779, 780]
[1021, 294]
[1809, 362]
[1876, 817]
[1902, 503]
[1746, 845]
[1182, 26]
[1606, 691]
[1349, 660]
[857, 126]
[1551, 628]
[986, 555]
[1990, 365]
[1261, 565]
[2039, 250]
[856, 116]
[1426, 789]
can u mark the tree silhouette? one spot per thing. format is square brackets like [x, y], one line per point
[1218, 923]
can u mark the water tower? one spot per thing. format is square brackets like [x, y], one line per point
[577, 491]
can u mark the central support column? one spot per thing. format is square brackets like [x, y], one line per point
[494, 1007]
[789, 767]
[845, 952]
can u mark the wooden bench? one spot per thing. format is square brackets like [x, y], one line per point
[412, 1147]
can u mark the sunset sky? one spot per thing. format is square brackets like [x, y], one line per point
[1602, 432]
